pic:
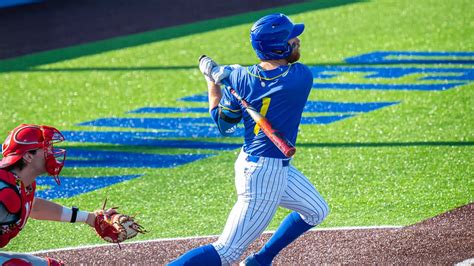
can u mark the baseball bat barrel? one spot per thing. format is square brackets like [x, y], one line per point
[283, 144]
[275, 136]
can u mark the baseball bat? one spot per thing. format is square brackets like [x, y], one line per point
[283, 144]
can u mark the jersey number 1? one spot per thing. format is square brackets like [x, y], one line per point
[263, 112]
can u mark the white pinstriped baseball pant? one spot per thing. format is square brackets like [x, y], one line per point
[262, 185]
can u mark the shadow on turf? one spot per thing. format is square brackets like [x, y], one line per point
[146, 68]
[160, 35]
[188, 67]
[161, 68]
[386, 144]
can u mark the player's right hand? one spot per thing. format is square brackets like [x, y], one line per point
[214, 72]
[206, 65]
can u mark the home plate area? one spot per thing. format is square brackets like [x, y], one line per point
[444, 239]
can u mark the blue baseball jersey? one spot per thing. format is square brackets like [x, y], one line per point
[279, 94]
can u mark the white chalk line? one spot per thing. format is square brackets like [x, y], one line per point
[211, 236]
[467, 262]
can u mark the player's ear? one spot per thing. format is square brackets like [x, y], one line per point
[27, 157]
[293, 42]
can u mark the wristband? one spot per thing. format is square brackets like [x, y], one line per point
[74, 214]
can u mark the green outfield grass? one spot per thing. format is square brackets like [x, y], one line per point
[394, 166]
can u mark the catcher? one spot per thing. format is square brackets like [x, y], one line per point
[28, 152]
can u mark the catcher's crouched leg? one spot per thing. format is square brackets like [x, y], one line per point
[19, 259]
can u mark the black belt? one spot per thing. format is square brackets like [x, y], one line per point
[252, 158]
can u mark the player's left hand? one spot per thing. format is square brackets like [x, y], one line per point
[206, 65]
[112, 226]
[214, 72]
[117, 227]
[93, 215]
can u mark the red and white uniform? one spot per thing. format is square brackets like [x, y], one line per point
[16, 202]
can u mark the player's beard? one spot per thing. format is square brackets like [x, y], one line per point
[295, 54]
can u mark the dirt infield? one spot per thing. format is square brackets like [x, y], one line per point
[444, 239]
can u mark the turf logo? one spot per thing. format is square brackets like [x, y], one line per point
[375, 71]
[72, 186]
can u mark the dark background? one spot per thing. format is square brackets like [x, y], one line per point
[55, 24]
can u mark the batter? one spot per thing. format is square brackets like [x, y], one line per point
[264, 178]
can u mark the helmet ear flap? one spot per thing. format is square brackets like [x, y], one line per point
[274, 51]
[287, 48]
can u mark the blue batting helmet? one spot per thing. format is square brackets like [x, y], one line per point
[269, 36]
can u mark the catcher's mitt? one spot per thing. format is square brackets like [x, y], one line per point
[116, 227]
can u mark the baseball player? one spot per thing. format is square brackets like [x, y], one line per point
[264, 178]
[28, 152]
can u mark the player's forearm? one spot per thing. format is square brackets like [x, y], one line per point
[46, 210]
[51, 211]
[214, 93]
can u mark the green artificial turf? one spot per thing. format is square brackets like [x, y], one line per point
[394, 166]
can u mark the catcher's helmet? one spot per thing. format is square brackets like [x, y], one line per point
[27, 137]
[269, 36]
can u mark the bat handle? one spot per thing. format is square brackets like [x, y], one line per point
[201, 57]
[226, 82]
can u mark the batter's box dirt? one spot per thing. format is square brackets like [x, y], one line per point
[444, 239]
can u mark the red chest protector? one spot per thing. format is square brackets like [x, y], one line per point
[16, 202]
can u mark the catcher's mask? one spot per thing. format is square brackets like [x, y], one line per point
[270, 35]
[26, 138]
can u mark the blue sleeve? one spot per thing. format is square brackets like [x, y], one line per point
[235, 79]
[227, 114]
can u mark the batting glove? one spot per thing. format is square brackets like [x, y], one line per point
[214, 72]
[206, 64]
